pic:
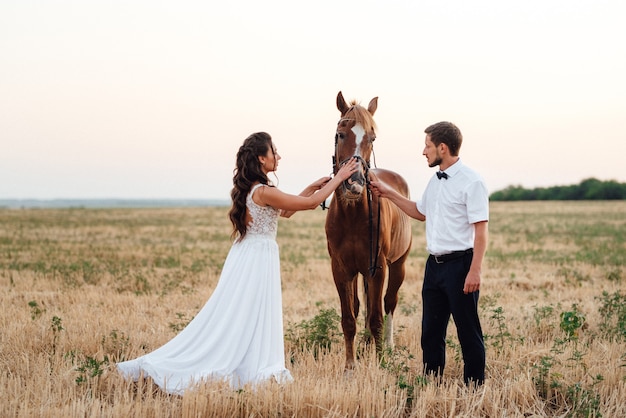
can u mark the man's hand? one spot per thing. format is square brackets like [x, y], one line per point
[472, 282]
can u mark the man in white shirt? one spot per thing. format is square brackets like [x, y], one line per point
[455, 206]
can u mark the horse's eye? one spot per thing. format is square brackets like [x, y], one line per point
[340, 135]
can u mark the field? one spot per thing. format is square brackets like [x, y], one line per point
[84, 288]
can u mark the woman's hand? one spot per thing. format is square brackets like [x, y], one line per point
[347, 169]
[318, 184]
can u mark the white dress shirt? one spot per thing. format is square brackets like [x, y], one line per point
[451, 207]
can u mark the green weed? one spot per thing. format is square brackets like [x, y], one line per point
[90, 368]
[503, 335]
[541, 313]
[614, 275]
[56, 328]
[181, 323]
[579, 398]
[397, 362]
[35, 310]
[116, 344]
[453, 343]
[572, 276]
[613, 311]
[318, 334]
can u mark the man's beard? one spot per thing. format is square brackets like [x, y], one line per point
[436, 162]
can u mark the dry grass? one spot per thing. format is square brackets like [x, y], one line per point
[85, 288]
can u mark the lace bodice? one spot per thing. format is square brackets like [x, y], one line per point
[264, 218]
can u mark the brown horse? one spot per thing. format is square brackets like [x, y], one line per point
[365, 235]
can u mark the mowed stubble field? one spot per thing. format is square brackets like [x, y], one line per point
[84, 288]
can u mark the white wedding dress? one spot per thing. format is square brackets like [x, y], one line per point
[237, 337]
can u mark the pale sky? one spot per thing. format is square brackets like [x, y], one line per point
[151, 99]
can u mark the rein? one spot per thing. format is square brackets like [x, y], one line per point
[374, 250]
[374, 247]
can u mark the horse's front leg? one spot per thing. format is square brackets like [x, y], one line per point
[375, 304]
[345, 289]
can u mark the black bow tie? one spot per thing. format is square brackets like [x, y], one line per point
[441, 174]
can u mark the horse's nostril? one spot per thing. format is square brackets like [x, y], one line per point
[357, 178]
[355, 181]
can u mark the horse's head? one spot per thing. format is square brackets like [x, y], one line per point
[356, 132]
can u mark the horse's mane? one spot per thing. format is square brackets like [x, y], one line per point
[361, 116]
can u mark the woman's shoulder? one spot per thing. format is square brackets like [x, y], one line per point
[259, 186]
[256, 186]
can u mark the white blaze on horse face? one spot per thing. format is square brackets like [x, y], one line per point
[359, 134]
[356, 181]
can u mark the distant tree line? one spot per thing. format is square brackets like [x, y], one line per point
[588, 189]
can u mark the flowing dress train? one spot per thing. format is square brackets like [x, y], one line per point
[237, 336]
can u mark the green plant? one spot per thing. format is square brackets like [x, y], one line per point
[571, 322]
[614, 275]
[584, 401]
[456, 347]
[167, 262]
[396, 361]
[573, 276]
[116, 343]
[542, 313]
[317, 334]
[181, 324]
[544, 381]
[35, 310]
[503, 334]
[613, 312]
[579, 399]
[56, 327]
[90, 368]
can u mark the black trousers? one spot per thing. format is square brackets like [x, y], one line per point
[442, 296]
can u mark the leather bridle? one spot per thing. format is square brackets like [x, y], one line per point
[374, 241]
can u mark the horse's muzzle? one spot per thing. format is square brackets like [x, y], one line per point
[354, 186]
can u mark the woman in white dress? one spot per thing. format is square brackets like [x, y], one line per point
[237, 337]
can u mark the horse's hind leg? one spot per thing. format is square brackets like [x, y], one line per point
[397, 271]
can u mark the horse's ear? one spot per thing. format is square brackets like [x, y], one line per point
[341, 104]
[373, 106]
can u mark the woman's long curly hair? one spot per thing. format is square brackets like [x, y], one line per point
[247, 173]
